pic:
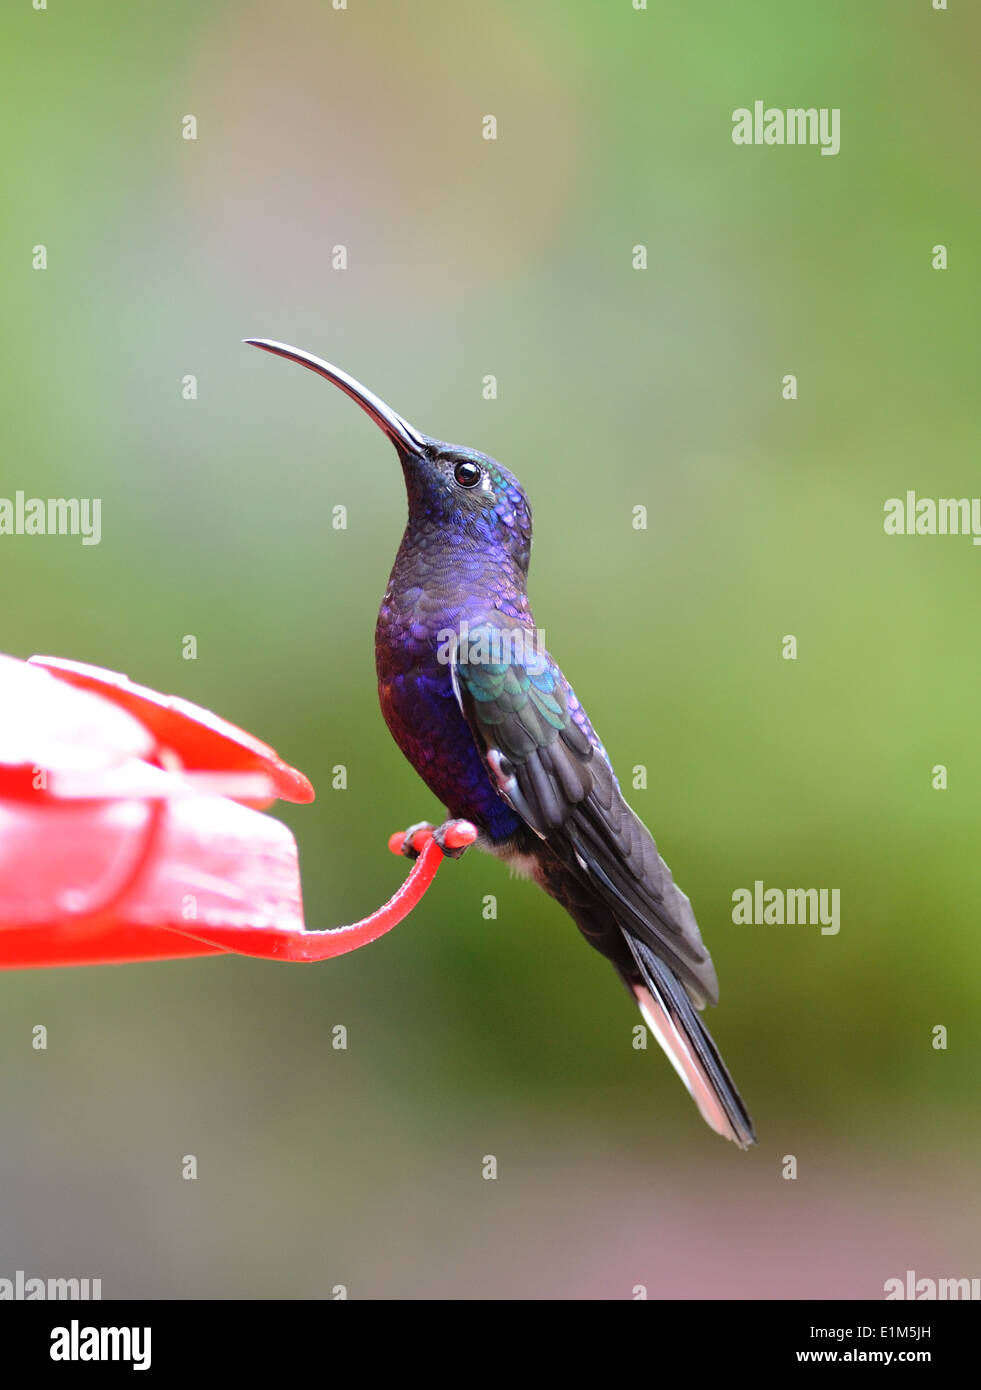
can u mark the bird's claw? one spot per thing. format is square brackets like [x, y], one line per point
[453, 837]
[413, 841]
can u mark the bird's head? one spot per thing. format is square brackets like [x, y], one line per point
[451, 490]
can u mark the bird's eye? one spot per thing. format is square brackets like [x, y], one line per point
[466, 473]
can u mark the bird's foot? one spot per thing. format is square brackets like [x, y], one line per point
[412, 842]
[453, 837]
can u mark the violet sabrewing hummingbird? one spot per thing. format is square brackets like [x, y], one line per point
[492, 726]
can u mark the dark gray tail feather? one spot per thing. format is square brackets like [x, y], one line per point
[689, 1046]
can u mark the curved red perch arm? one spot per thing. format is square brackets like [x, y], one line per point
[276, 943]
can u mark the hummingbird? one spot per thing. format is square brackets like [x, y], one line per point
[483, 713]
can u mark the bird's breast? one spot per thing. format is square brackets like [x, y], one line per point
[415, 690]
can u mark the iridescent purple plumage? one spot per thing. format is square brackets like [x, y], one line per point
[496, 733]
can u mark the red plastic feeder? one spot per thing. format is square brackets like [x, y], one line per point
[131, 830]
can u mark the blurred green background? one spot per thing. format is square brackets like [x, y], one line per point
[617, 387]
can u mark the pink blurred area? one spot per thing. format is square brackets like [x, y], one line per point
[345, 142]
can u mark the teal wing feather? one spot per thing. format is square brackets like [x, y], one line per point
[547, 763]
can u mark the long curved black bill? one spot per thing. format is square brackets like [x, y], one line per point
[399, 431]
